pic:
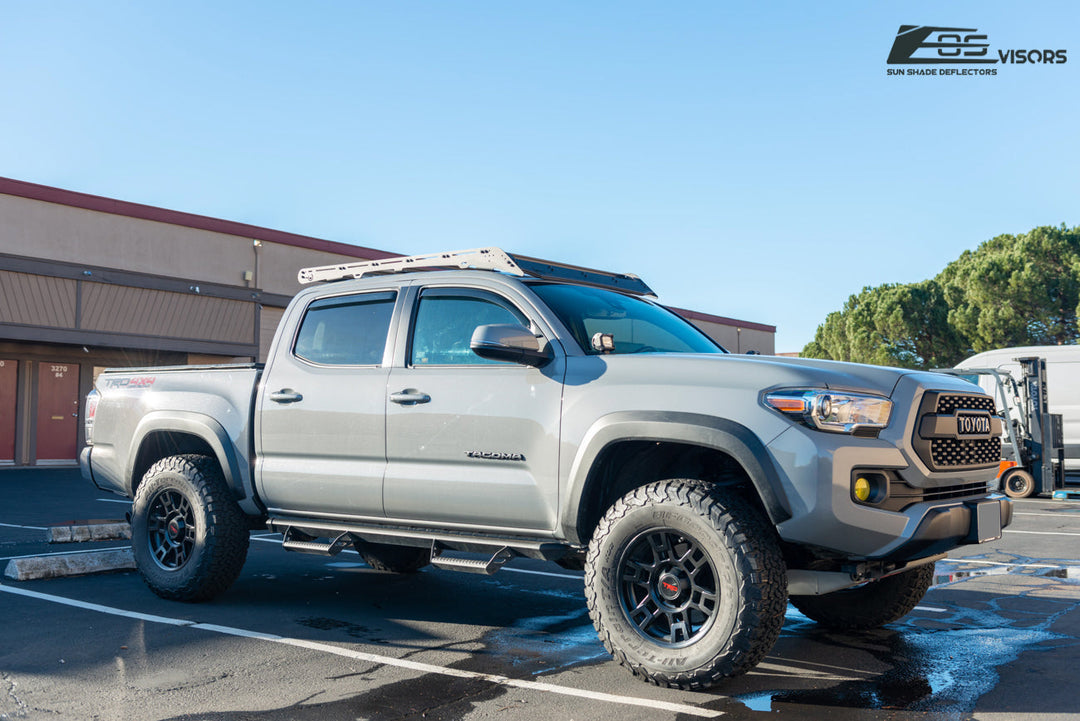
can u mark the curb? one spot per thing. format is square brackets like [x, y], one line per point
[70, 564]
[117, 531]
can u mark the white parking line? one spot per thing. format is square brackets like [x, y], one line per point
[375, 658]
[545, 573]
[63, 553]
[15, 525]
[1064, 516]
[1001, 563]
[1033, 501]
[115, 500]
[1043, 533]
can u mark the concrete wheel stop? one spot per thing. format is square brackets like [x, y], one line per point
[76, 563]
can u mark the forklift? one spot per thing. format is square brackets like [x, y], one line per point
[1033, 460]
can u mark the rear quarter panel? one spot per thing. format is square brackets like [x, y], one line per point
[213, 402]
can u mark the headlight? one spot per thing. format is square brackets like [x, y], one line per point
[835, 412]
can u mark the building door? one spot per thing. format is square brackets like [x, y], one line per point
[9, 371]
[57, 412]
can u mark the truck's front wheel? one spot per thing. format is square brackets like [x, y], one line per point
[188, 536]
[685, 584]
[871, 605]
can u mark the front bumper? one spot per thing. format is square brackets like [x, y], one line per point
[945, 527]
[817, 471]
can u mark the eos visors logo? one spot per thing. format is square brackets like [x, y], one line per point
[941, 46]
[929, 45]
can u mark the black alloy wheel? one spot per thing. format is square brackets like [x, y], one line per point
[668, 588]
[171, 529]
[188, 535]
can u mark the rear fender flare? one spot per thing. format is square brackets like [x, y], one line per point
[229, 457]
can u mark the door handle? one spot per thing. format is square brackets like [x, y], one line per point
[409, 397]
[286, 395]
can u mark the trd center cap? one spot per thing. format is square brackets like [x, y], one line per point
[176, 528]
[669, 586]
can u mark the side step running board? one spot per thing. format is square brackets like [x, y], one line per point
[302, 543]
[469, 565]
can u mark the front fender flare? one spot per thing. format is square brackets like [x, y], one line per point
[694, 429]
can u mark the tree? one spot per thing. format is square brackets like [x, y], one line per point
[894, 324]
[1017, 290]
[1010, 291]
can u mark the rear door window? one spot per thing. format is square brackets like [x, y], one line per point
[348, 330]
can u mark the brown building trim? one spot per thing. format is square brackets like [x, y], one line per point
[48, 194]
[721, 320]
[68, 336]
[110, 276]
[275, 300]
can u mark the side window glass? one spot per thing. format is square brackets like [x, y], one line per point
[446, 319]
[346, 330]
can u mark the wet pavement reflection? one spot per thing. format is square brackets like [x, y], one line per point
[942, 658]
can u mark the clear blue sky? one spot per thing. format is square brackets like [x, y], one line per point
[750, 160]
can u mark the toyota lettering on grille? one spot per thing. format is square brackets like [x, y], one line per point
[971, 424]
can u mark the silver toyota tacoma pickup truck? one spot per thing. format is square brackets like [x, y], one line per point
[509, 407]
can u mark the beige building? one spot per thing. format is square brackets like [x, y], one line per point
[88, 282]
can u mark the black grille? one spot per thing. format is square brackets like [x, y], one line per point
[954, 454]
[948, 404]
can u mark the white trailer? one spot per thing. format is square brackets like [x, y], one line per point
[1062, 384]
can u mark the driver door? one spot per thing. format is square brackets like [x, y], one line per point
[469, 440]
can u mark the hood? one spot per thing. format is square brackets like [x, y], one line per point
[765, 372]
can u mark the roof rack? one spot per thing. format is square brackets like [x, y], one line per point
[481, 259]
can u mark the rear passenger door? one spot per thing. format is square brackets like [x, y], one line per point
[469, 440]
[320, 446]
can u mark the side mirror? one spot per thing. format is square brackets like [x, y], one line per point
[513, 343]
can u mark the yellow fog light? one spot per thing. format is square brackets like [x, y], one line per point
[870, 487]
[863, 489]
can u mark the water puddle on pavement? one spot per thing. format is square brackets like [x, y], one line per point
[959, 569]
[549, 643]
[941, 664]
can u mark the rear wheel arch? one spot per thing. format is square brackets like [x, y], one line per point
[160, 436]
[159, 444]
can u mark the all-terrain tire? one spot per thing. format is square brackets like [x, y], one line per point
[871, 605]
[685, 583]
[189, 537]
[395, 559]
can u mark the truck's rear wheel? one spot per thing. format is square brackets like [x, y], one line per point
[188, 536]
[685, 585]
[395, 559]
[1018, 483]
[871, 605]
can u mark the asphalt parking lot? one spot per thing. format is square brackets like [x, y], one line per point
[306, 637]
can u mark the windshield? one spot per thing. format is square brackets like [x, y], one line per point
[637, 325]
